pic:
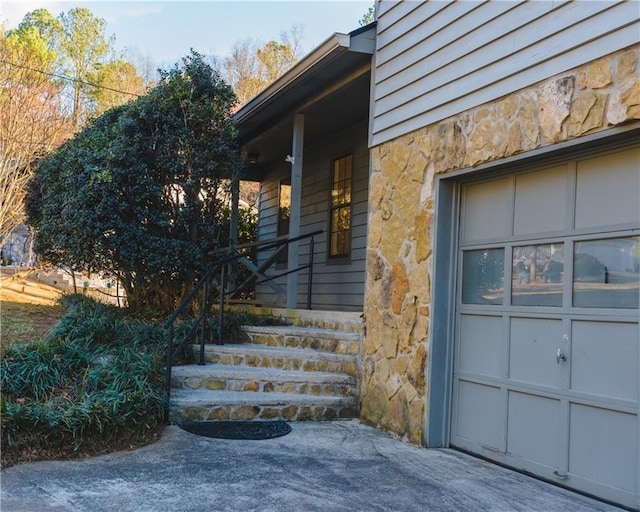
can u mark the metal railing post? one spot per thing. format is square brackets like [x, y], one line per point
[310, 274]
[221, 312]
[167, 382]
[203, 325]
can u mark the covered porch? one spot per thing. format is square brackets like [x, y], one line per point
[305, 139]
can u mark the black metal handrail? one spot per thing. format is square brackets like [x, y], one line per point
[222, 259]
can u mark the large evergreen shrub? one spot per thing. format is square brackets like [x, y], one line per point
[140, 193]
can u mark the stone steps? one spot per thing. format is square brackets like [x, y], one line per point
[202, 404]
[218, 377]
[339, 321]
[325, 340]
[261, 356]
[293, 373]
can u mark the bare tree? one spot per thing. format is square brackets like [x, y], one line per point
[293, 39]
[54, 73]
[241, 69]
[252, 66]
[144, 65]
[32, 118]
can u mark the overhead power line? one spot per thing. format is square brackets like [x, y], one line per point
[68, 78]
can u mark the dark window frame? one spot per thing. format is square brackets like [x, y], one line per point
[341, 187]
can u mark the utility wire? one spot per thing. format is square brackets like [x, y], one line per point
[63, 77]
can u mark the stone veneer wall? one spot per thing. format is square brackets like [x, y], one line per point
[593, 97]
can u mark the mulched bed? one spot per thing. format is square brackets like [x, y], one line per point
[13, 455]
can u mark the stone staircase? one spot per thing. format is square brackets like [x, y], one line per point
[305, 371]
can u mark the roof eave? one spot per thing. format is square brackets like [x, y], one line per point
[329, 50]
[332, 47]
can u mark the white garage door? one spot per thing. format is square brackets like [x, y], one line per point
[547, 340]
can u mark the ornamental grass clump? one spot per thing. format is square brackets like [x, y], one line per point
[94, 383]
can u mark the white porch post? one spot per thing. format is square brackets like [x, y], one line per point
[296, 199]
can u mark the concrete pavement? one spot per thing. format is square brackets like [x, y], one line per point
[325, 466]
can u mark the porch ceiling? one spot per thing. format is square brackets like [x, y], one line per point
[330, 86]
[341, 109]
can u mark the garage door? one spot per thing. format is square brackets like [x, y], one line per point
[547, 340]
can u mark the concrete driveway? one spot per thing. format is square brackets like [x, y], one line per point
[330, 466]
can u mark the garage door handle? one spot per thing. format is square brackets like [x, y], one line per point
[560, 356]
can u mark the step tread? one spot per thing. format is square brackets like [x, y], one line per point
[222, 371]
[296, 330]
[208, 398]
[259, 349]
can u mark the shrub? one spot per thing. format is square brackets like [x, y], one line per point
[95, 379]
[94, 383]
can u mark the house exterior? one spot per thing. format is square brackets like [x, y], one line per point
[502, 130]
[17, 248]
[502, 267]
[307, 136]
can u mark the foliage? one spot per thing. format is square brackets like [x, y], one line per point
[252, 66]
[39, 107]
[137, 194]
[97, 377]
[94, 381]
[276, 59]
[83, 44]
[368, 17]
[98, 79]
[32, 118]
[119, 81]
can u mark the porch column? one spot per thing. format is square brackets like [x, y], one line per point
[296, 199]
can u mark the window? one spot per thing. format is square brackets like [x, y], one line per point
[340, 221]
[537, 275]
[606, 273]
[284, 214]
[284, 207]
[483, 276]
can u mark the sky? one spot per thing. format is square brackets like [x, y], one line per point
[165, 31]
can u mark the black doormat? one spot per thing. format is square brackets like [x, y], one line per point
[237, 429]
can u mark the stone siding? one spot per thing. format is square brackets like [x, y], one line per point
[395, 351]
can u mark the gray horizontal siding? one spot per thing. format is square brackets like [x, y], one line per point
[335, 285]
[400, 9]
[437, 59]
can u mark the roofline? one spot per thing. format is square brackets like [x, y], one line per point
[332, 47]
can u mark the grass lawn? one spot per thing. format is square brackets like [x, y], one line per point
[28, 310]
[22, 322]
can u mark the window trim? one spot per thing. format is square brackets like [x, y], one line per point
[340, 259]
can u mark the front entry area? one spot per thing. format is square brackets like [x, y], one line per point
[546, 355]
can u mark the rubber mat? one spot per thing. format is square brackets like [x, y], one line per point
[237, 429]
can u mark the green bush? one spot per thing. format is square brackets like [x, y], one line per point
[93, 383]
[96, 378]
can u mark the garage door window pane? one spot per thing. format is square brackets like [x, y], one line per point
[538, 272]
[606, 273]
[483, 276]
